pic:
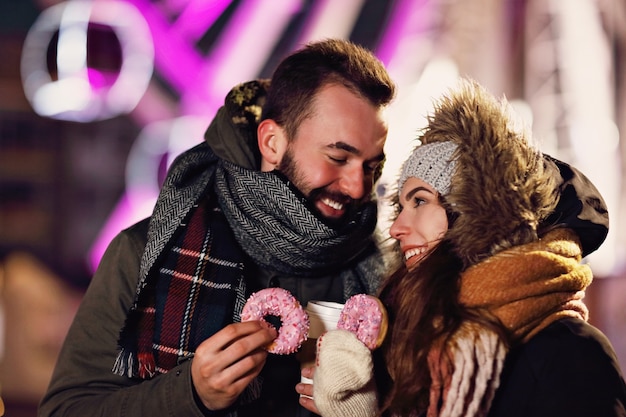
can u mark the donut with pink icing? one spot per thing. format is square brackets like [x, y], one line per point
[366, 317]
[280, 303]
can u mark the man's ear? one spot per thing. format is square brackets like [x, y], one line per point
[272, 144]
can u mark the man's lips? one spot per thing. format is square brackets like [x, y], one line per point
[330, 208]
[333, 204]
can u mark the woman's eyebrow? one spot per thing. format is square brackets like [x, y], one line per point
[415, 190]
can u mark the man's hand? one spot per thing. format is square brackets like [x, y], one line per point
[225, 363]
[306, 391]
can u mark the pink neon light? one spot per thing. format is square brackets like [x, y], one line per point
[203, 81]
[239, 54]
[400, 25]
[175, 58]
[197, 16]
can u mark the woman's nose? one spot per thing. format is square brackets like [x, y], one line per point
[398, 228]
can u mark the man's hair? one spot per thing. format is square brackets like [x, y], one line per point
[299, 77]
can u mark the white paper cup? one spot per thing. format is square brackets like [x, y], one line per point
[323, 316]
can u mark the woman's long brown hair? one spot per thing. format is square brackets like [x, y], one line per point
[423, 309]
[422, 305]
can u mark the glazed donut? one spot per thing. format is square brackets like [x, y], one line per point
[366, 317]
[294, 320]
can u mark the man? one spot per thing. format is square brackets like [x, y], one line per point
[285, 201]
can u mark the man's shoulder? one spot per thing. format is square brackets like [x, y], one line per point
[134, 235]
[139, 229]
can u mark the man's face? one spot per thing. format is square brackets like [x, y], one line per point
[336, 152]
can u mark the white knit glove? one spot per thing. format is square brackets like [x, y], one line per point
[343, 382]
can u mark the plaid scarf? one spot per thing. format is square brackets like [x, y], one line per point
[194, 295]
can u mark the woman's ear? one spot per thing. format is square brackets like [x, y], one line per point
[272, 144]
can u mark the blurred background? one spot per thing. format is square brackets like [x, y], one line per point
[97, 97]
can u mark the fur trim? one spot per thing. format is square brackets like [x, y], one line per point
[500, 190]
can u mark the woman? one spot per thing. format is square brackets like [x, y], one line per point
[486, 312]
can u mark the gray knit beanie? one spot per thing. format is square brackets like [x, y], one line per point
[432, 163]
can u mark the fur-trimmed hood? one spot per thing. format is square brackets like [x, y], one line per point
[501, 189]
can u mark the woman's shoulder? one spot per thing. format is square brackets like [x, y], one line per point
[568, 368]
[569, 339]
[564, 344]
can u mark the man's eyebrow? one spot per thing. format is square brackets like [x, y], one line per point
[345, 147]
[351, 149]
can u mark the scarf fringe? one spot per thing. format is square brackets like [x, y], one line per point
[467, 389]
[124, 363]
[147, 365]
[130, 365]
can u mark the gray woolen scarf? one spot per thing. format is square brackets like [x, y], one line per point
[270, 222]
[279, 232]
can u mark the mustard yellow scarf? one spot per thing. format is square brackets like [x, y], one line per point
[527, 288]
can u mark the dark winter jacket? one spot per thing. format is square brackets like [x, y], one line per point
[567, 369]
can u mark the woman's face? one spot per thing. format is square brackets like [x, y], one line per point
[421, 223]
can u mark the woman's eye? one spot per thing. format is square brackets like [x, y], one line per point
[419, 201]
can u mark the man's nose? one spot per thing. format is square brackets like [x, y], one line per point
[353, 183]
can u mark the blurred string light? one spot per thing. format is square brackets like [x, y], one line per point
[332, 19]
[409, 44]
[78, 92]
[570, 88]
[202, 81]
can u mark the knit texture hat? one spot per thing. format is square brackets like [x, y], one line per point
[432, 163]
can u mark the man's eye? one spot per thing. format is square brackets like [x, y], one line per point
[337, 160]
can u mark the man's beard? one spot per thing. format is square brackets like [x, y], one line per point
[288, 167]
